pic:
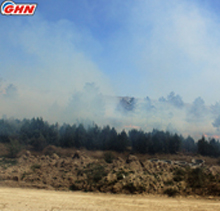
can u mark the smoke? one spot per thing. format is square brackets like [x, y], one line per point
[170, 113]
[216, 122]
[173, 99]
[69, 69]
[215, 109]
[8, 91]
[197, 111]
[86, 104]
[215, 112]
[47, 65]
[11, 92]
[91, 105]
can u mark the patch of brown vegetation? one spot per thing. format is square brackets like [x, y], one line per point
[80, 170]
[3, 150]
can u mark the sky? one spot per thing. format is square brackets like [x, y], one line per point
[135, 48]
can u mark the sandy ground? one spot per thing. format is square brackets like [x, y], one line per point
[41, 200]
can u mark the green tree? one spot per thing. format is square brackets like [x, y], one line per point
[188, 145]
[203, 146]
[67, 135]
[122, 142]
[93, 138]
[39, 142]
[174, 144]
[13, 148]
[80, 136]
[139, 141]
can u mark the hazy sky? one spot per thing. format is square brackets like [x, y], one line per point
[126, 48]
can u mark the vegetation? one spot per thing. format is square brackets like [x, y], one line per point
[35, 166]
[6, 162]
[179, 175]
[95, 172]
[171, 192]
[109, 157]
[196, 178]
[13, 148]
[73, 187]
[121, 174]
[38, 134]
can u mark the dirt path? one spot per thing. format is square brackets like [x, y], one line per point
[12, 199]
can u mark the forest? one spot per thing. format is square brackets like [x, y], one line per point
[37, 134]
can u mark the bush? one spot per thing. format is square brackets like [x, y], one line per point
[171, 192]
[73, 187]
[39, 143]
[50, 150]
[95, 173]
[121, 174]
[214, 189]
[6, 162]
[25, 174]
[169, 182]
[179, 175]
[35, 166]
[196, 178]
[13, 148]
[109, 157]
[132, 188]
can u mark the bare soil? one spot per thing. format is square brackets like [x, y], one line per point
[12, 199]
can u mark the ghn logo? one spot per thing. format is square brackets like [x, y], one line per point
[10, 8]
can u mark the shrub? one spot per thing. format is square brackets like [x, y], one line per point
[214, 189]
[132, 188]
[35, 166]
[73, 187]
[95, 172]
[121, 174]
[169, 182]
[109, 157]
[13, 148]
[171, 192]
[196, 178]
[179, 175]
[98, 176]
[25, 174]
[6, 162]
[50, 150]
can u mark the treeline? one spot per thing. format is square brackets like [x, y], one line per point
[38, 134]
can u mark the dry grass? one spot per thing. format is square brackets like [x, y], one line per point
[90, 171]
[97, 154]
[180, 157]
[32, 200]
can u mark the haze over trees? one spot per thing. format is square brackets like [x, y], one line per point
[37, 134]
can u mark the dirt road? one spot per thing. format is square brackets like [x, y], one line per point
[12, 199]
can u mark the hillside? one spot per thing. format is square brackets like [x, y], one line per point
[109, 174]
